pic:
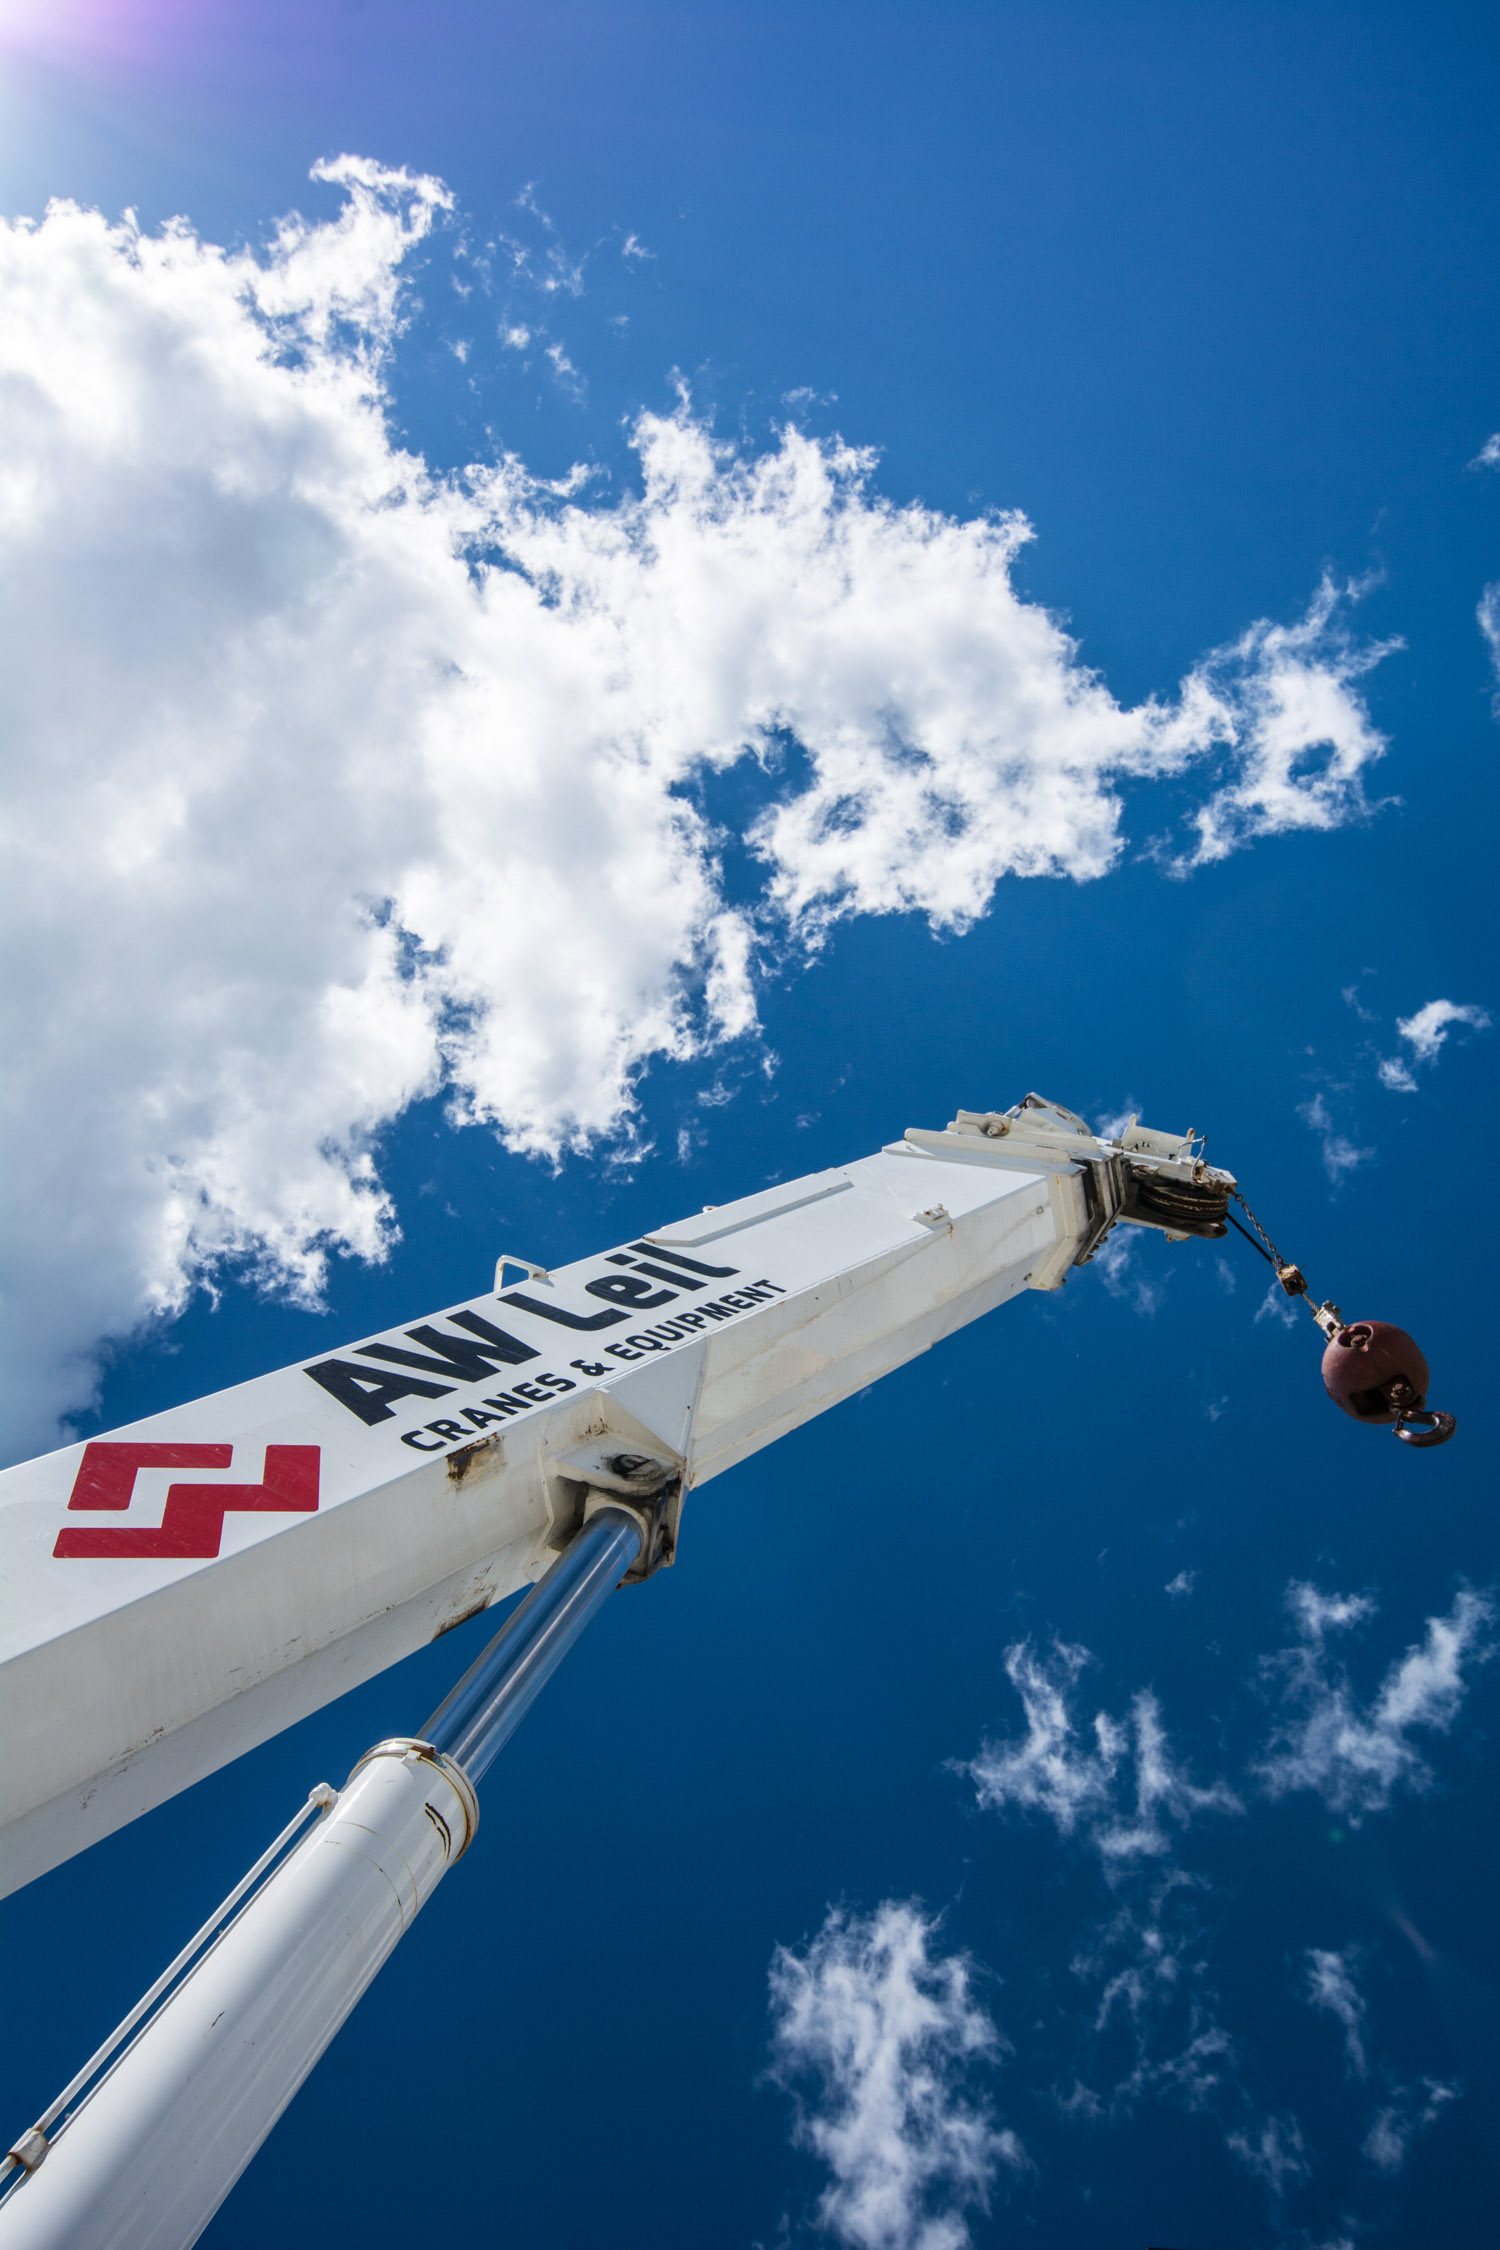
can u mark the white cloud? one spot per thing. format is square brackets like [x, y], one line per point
[555, 270]
[1386, 2142]
[1488, 616]
[1148, 1963]
[1355, 1756]
[889, 2030]
[1429, 1027]
[1398, 2122]
[1116, 1784]
[1182, 1585]
[1194, 2074]
[1050, 1771]
[566, 373]
[1426, 1033]
[1117, 1780]
[1162, 1791]
[1407, 2111]
[1317, 1614]
[1331, 1986]
[1488, 456]
[1275, 2152]
[337, 781]
[1153, 2028]
[929, 785]
[1114, 1261]
[1278, 1306]
[1340, 1154]
[1290, 689]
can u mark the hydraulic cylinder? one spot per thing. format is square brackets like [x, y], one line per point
[142, 2150]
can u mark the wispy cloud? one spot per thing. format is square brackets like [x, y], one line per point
[1274, 2151]
[1276, 1305]
[1488, 615]
[1155, 2031]
[1356, 1755]
[551, 268]
[1117, 1786]
[1290, 685]
[1340, 1154]
[1182, 1585]
[1056, 1770]
[888, 2031]
[1407, 2110]
[565, 372]
[1163, 1791]
[1115, 1263]
[1117, 1780]
[1332, 1987]
[1118, 1795]
[1351, 999]
[1398, 2122]
[1426, 1033]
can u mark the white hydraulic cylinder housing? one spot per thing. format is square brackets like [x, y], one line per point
[143, 2146]
[157, 2145]
[188, 1586]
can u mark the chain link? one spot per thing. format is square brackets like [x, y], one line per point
[1274, 1254]
[1291, 1277]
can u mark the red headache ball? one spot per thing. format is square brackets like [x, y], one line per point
[1362, 1363]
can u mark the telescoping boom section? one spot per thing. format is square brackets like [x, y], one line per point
[188, 1586]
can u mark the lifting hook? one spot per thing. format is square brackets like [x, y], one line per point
[1377, 1373]
[1372, 1371]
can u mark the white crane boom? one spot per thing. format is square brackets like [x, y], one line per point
[197, 1581]
[190, 1585]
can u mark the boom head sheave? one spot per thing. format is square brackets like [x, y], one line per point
[1143, 1178]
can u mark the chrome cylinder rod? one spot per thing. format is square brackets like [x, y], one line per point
[473, 1724]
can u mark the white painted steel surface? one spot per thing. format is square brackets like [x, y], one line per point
[321, 1540]
[151, 2155]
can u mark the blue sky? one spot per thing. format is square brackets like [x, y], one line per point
[1209, 296]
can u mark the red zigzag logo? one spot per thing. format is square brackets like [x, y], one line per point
[193, 1522]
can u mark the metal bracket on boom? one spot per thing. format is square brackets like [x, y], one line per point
[654, 1513]
[646, 1486]
[522, 1265]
